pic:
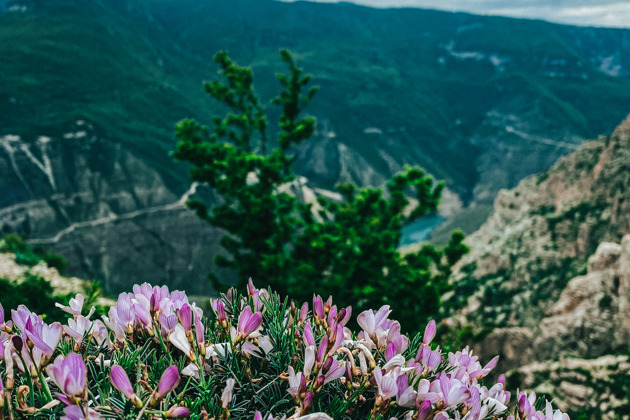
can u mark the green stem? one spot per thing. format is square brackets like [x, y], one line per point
[159, 334]
[49, 397]
[181, 394]
[140, 414]
[138, 377]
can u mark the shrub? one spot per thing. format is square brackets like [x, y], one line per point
[157, 356]
[15, 244]
[36, 293]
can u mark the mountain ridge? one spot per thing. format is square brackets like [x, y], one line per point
[390, 95]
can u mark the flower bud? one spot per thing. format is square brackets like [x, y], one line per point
[177, 412]
[18, 343]
[308, 401]
[327, 365]
[168, 382]
[120, 381]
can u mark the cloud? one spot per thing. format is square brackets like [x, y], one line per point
[609, 15]
[573, 12]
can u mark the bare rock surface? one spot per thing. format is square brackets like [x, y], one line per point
[594, 388]
[112, 216]
[549, 276]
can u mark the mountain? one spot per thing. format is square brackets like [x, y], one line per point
[91, 91]
[549, 277]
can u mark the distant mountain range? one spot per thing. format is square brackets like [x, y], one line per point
[90, 92]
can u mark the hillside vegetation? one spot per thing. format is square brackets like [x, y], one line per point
[91, 92]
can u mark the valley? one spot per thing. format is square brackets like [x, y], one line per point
[479, 102]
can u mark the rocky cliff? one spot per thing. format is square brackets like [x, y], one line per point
[478, 101]
[112, 216]
[549, 275]
[581, 345]
[542, 232]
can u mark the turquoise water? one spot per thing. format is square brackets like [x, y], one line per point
[420, 230]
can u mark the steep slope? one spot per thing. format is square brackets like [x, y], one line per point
[550, 274]
[479, 113]
[580, 347]
[481, 102]
[542, 232]
[105, 210]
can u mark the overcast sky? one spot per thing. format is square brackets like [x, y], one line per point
[608, 13]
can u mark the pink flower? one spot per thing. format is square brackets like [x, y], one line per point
[453, 391]
[429, 333]
[425, 393]
[126, 313]
[406, 397]
[387, 387]
[177, 412]
[370, 320]
[424, 410]
[199, 335]
[248, 323]
[303, 313]
[45, 337]
[120, 381]
[308, 337]
[250, 287]
[77, 327]
[297, 383]
[344, 316]
[318, 309]
[69, 374]
[144, 316]
[184, 315]
[3, 326]
[22, 316]
[168, 382]
[167, 324]
[74, 412]
[219, 308]
[226, 396]
[332, 370]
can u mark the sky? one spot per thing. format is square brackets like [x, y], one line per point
[608, 13]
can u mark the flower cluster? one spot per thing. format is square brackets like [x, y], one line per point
[155, 355]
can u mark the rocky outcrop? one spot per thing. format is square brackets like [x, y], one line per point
[587, 388]
[113, 217]
[549, 274]
[587, 319]
[542, 232]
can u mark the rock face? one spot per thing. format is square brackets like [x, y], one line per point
[592, 389]
[114, 218]
[549, 273]
[587, 318]
[542, 232]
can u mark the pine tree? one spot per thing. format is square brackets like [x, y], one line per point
[347, 248]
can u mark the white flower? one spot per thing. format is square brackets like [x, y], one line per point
[219, 349]
[226, 397]
[309, 360]
[191, 370]
[179, 340]
[76, 304]
[387, 387]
